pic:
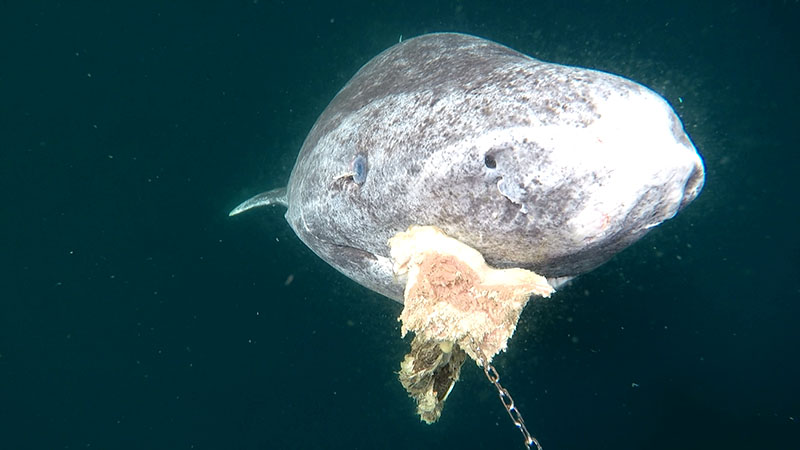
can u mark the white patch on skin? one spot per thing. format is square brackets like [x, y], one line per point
[635, 138]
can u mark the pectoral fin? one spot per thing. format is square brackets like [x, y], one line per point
[275, 196]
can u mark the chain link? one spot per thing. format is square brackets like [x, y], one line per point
[508, 402]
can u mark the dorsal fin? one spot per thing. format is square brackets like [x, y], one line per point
[275, 196]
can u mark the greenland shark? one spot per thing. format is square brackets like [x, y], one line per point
[536, 165]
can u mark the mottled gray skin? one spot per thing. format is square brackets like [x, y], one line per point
[536, 165]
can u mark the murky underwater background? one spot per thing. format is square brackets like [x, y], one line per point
[135, 314]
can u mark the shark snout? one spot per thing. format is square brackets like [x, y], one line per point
[694, 183]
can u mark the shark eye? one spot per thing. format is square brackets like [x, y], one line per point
[489, 161]
[360, 169]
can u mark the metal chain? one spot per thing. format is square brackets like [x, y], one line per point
[508, 402]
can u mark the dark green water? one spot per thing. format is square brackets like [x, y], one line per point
[135, 314]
